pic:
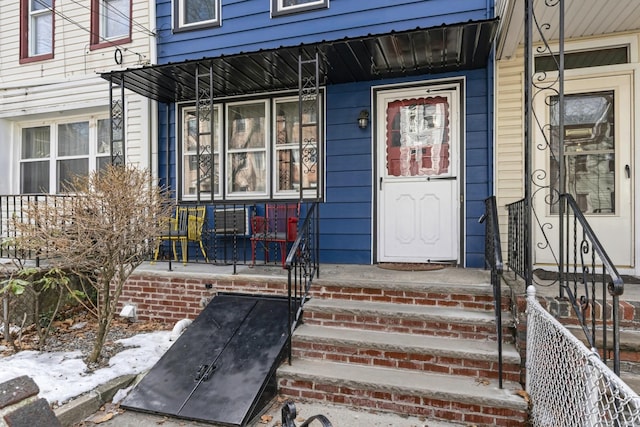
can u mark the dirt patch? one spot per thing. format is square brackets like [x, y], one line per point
[411, 266]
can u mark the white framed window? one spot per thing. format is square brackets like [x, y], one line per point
[255, 152]
[246, 144]
[36, 35]
[286, 161]
[52, 154]
[207, 171]
[114, 19]
[110, 22]
[190, 14]
[286, 7]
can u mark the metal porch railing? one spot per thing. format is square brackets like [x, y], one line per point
[225, 231]
[303, 266]
[14, 208]
[587, 279]
[493, 261]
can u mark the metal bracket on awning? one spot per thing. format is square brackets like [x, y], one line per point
[116, 141]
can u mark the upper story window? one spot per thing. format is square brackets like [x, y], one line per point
[36, 32]
[110, 22]
[189, 14]
[285, 7]
[52, 154]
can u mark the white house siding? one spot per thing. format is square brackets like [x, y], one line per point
[510, 121]
[69, 85]
[509, 136]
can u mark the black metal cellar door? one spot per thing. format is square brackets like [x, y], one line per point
[220, 367]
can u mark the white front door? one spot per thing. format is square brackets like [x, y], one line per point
[418, 131]
[599, 164]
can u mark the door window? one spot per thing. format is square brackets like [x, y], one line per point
[418, 137]
[589, 151]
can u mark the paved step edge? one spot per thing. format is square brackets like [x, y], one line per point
[423, 288]
[445, 278]
[631, 379]
[83, 406]
[428, 312]
[407, 343]
[629, 339]
[433, 386]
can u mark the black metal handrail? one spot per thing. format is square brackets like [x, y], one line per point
[289, 414]
[586, 267]
[303, 266]
[610, 280]
[493, 261]
[517, 245]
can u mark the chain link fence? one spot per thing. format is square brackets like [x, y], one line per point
[567, 383]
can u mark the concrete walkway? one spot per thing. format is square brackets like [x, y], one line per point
[339, 417]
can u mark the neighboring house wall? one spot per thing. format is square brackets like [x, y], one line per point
[67, 87]
[510, 134]
[347, 224]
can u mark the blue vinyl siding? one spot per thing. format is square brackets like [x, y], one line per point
[349, 170]
[162, 146]
[248, 26]
[346, 216]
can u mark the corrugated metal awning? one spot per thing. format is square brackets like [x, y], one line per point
[451, 47]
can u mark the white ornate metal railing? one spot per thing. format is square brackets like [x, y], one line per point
[567, 383]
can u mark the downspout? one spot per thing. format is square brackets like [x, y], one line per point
[152, 105]
[491, 108]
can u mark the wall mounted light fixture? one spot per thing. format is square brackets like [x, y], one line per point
[363, 119]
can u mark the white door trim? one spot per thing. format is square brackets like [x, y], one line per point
[455, 88]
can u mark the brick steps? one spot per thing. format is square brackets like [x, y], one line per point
[470, 296]
[425, 347]
[629, 352]
[435, 396]
[405, 318]
[478, 359]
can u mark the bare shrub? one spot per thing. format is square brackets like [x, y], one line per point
[101, 235]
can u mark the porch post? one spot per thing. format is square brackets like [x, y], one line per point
[562, 185]
[204, 114]
[528, 141]
[116, 120]
[310, 153]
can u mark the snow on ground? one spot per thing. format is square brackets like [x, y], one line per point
[62, 376]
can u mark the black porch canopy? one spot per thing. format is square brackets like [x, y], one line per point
[460, 46]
